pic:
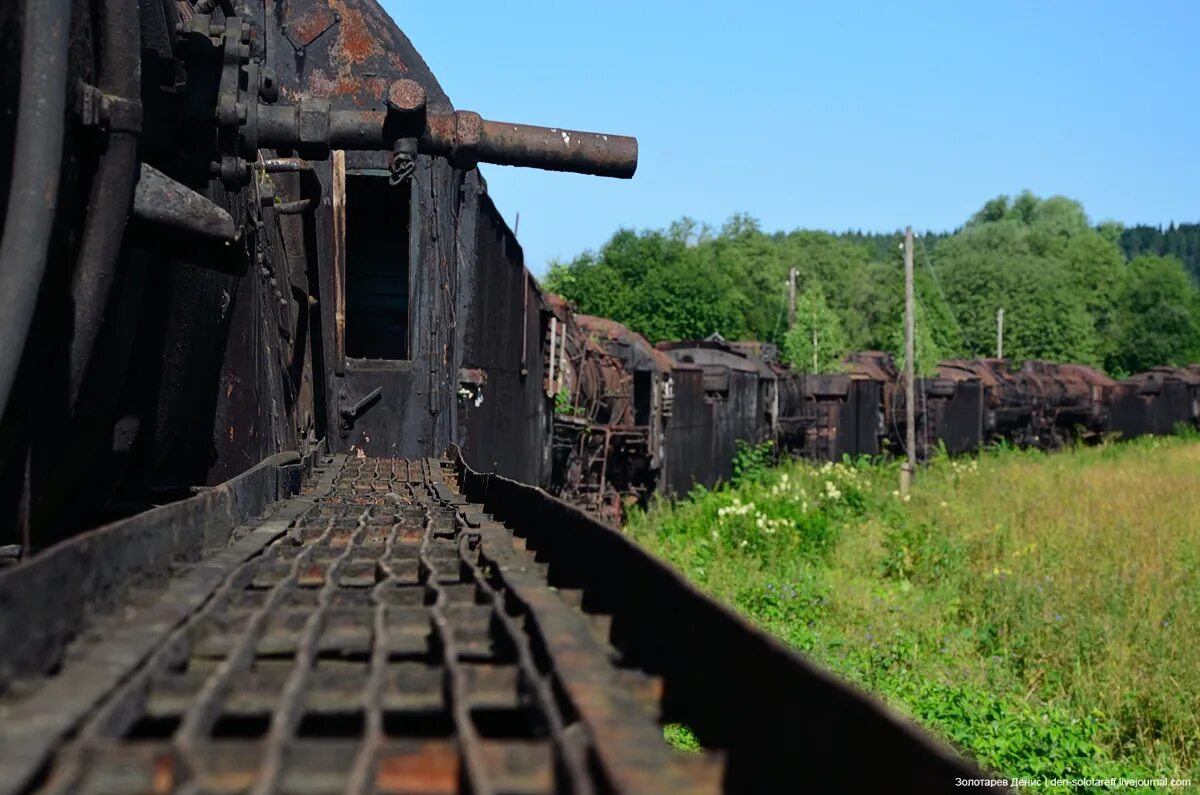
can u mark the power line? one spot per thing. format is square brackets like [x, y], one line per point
[967, 346]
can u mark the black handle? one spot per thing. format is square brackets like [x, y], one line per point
[360, 405]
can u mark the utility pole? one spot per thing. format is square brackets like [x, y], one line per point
[812, 306]
[999, 333]
[792, 298]
[910, 407]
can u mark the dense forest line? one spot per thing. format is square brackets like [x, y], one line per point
[1123, 299]
[1181, 242]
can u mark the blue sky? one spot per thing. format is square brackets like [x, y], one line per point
[831, 115]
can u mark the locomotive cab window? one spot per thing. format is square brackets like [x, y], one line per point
[716, 382]
[643, 386]
[378, 260]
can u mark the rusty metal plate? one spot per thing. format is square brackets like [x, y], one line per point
[303, 28]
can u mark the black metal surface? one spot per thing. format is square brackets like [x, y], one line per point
[690, 445]
[62, 653]
[958, 419]
[159, 199]
[866, 415]
[503, 414]
[739, 392]
[1154, 402]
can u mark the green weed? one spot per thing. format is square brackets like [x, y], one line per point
[1037, 611]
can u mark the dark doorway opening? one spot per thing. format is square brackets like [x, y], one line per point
[377, 267]
[643, 389]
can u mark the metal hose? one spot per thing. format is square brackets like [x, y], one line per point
[33, 193]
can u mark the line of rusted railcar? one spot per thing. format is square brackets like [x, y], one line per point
[630, 418]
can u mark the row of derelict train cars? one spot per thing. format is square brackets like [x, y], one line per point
[631, 418]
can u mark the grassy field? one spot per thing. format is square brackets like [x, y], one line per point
[1040, 612]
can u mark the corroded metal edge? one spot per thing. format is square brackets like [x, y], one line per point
[781, 721]
[45, 601]
[149, 544]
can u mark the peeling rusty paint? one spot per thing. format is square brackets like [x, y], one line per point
[357, 41]
[306, 27]
[364, 91]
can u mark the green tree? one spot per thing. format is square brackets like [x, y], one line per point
[838, 265]
[661, 284]
[1065, 285]
[1157, 321]
[925, 347]
[818, 343]
[1181, 240]
[1044, 265]
[1095, 271]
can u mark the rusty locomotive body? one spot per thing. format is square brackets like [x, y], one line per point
[250, 227]
[609, 393]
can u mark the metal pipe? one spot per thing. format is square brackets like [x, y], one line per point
[464, 135]
[283, 165]
[33, 192]
[112, 190]
[294, 207]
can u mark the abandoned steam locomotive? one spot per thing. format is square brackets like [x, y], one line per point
[260, 324]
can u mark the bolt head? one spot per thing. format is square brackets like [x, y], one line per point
[405, 96]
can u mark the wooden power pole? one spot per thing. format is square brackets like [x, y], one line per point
[791, 299]
[910, 406]
[999, 333]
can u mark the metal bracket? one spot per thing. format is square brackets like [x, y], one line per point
[104, 111]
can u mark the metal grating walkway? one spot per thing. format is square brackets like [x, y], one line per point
[375, 634]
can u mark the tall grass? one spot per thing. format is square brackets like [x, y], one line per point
[1041, 612]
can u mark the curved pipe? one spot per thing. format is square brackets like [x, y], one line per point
[112, 189]
[33, 193]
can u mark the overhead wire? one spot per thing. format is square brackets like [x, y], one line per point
[1018, 386]
[967, 346]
